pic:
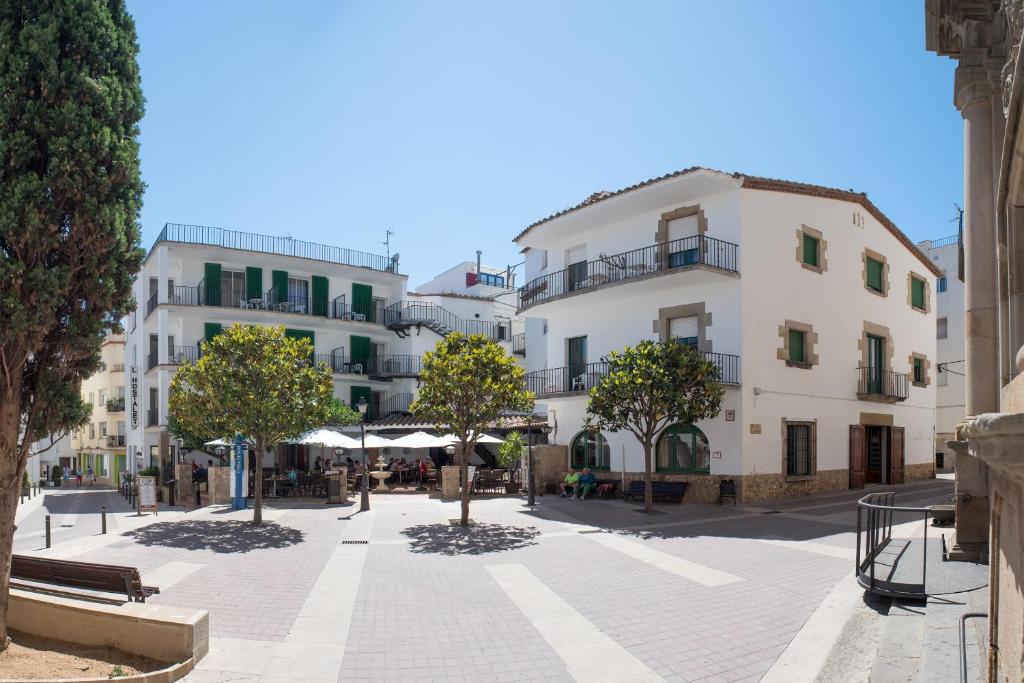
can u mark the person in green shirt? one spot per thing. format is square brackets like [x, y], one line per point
[585, 484]
[569, 484]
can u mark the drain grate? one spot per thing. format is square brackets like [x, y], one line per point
[354, 542]
[590, 531]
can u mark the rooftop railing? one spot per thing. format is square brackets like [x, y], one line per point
[630, 265]
[268, 244]
[943, 241]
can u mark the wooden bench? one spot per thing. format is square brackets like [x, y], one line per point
[84, 575]
[673, 491]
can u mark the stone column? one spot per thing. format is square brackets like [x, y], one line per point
[450, 489]
[974, 100]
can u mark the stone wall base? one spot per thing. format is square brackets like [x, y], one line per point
[918, 471]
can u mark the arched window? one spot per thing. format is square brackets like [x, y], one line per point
[683, 448]
[590, 450]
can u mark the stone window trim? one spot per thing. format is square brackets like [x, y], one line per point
[911, 276]
[876, 330]
[869, 253]
[822, 247]
[661, 236]
[926, 367]
[813, 424]
[810, 340]
[665, 315]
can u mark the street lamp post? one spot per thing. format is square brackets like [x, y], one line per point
[531, 483]
[364, 495]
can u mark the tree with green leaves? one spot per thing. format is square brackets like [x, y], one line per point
[650, 386]
[70, 193]
[467, 383]
[341, 414]
[193, 441]
[510, 452]
[254, 381]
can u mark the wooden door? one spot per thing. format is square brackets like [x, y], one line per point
[856, 456]
[895, 455]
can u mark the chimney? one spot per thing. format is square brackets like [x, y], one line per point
[478, 252]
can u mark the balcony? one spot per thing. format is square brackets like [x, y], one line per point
[117, 367]
[884, 386]
[268, 244]
[180, 355]
[688, 253]
[402, 316]
[115, 441]
[580, 379]
[392, 367]
[395, 403]
[339, 363]
[519, 343]
[271, 300]
[115, 405]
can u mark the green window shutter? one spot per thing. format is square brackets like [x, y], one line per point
[362, 300]
[358, 393]
[796, 346]
[790, 449]
[319, 306]
[210, 330]
[360, 350]
[810, 251]
[874, 272]
[918, 370]
[211, 282]
[917, 293]
[279, 283]
[254, 283]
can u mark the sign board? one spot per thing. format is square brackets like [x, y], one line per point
[239, 487]
[145, 494]
[134, 386]
[730, 416]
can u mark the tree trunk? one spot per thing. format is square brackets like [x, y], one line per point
[466, 484]
[648, 495]
[257, 506]
[10, 483]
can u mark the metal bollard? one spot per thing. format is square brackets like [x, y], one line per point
[103, 517]
[47, 531]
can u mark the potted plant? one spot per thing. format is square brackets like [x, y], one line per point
[26, 486]
[55, 475]
[509, 454]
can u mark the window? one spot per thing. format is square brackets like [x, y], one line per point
[875, 275]
[683, 448]
[170, 290]
[799, 449]
[92, 430]
[917, 293]
[941, 286]
[545, 327]
[810, 250]
[941, 328]
[103, 430]
[492, 279]
[543, 259]
[590, 449]
[92, 397]
[685, 330]
[102, 397]
[298, 291]
[918, 370]
[232, 287]
[797, 352]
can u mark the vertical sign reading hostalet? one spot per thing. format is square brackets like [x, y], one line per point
[135, 396]
[239, 480]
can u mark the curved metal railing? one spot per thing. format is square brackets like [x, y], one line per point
[875, 513]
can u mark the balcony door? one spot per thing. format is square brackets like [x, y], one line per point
[576, 268]
[876, 364]
[232, 288]
[577, 352]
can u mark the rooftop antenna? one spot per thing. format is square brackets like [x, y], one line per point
[387, 241]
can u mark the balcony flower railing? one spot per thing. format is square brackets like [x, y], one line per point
[115, 405]
[689, 251]
[877, 382]
[579, 379]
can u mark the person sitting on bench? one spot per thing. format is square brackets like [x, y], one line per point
[569, 483]
[586, 484]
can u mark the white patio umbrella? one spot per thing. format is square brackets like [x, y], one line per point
[225, 442]
[327, 438]
[420, 440]
[374, 441]
[484, 438]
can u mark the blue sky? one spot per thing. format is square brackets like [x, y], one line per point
[456, 124]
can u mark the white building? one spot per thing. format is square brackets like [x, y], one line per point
[950, 407]
[100, 444]
[353, 307]
[816, 308]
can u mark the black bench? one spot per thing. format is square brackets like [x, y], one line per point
[84, 575]
[673, 491]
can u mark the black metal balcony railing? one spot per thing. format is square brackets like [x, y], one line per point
[201, 295]
[519, 343]
[581, 378]
[402, 315]
[115, 440]
[395, 403]
[152, 360]
[152, 418]
[393, 366]
[268, 244]
[340, 363]
[877, 382]
[115, 405]
[181, 355]
[339, 310]
[689, 251]
[150, 304]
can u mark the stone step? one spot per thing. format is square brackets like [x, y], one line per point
[900, 649]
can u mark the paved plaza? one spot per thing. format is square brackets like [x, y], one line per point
[585, 591]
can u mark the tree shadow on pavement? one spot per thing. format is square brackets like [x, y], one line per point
[476, 539]
[228, 536]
